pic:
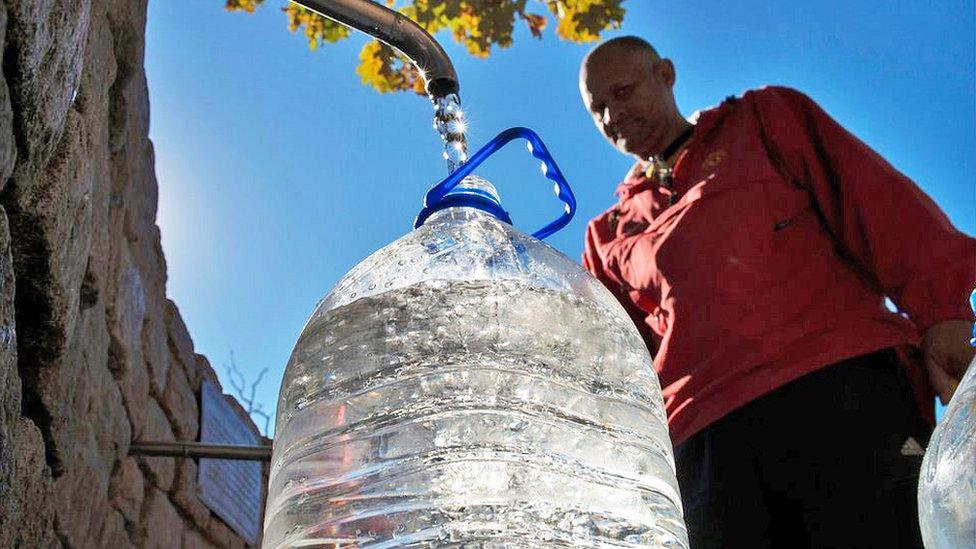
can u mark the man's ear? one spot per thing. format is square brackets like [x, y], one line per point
[665, 69]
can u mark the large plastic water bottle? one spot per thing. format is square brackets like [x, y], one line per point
[470, 386]
[947, 484]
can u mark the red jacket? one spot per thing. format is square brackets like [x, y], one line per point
[774, 261]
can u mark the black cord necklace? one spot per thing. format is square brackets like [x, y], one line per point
[677, 143]
[659, 168]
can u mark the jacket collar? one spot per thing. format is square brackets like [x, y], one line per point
[636, 182]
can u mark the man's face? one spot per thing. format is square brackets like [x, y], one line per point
[629, 94]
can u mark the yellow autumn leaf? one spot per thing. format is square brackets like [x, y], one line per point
[242, 5]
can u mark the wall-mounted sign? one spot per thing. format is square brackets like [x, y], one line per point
[230, 488]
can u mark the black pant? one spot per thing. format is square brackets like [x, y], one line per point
[830, 460]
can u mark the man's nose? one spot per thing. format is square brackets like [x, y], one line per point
[612, 113]
[610, 117]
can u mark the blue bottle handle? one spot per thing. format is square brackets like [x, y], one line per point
[538, 150]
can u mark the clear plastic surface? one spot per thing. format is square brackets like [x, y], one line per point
[947, 484]
[469, 386]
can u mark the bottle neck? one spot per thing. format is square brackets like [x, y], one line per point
[462, 213]
[473, 193]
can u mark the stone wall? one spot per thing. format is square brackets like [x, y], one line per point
[92, 354]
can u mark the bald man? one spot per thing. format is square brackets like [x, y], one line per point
[754, 249]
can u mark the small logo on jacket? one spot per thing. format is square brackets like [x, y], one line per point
[713, 159]
[912, 448]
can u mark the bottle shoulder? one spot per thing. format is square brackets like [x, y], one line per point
[468, 245]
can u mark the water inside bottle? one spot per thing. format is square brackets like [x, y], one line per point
[481, 413]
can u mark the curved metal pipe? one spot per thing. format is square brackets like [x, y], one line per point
[187, 449]
[398, 31]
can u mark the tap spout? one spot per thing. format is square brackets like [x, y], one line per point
[397, 31]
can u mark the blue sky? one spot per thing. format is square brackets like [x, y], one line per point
[279, 171]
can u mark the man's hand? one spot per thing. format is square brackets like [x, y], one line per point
[947, 355]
